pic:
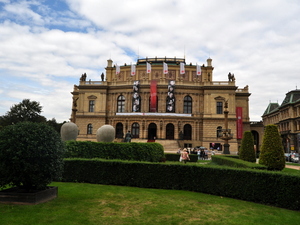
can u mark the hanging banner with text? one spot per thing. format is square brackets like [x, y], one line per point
[153, 94]
[239, 122]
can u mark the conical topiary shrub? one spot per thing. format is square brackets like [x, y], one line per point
[272, 153]
[247, 152]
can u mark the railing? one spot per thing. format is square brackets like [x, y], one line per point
[220, 83]
[91, 82]
[165, 59]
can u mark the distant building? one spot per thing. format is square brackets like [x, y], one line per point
[163, 100]
[287, 117]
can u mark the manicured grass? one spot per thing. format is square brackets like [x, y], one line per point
[86, 204]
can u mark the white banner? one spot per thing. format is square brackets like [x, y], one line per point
[198, 69]
[182, 68]
[117, 69]
[148, 67]
[132, 70]
[165, 68]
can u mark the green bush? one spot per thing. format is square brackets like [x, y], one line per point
[272, 153]
[262, 186]
[31, 155]
[247, 152]
[234, 161]
[151, 152]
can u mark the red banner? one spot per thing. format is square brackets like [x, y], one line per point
[153, 94]
[239, 122]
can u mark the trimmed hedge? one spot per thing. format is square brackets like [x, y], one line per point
[272, 153]
[247, 152]
[151, 152]
[234, 161]
[31, 155]
[266, 187]
[175, 157]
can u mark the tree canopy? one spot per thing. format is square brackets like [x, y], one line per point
[27, 111]
[24, 111]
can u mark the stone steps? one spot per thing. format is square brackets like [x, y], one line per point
[170, 146]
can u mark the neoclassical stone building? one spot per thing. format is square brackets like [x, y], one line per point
[287, 117]
[163, 100]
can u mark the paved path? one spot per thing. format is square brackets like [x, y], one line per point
[292, 167]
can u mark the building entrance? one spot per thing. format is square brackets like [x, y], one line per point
[170, 131]
[152, 129]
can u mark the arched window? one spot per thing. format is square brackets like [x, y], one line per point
[89, 128]
[152, 131]
[170, 131]
[187, 104]
[119, 130]
[187, 132]
[121, 104]
[135, 130]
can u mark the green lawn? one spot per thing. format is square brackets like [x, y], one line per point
[86, 204]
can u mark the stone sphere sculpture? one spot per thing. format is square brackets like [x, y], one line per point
[69, 131]
[106, 133]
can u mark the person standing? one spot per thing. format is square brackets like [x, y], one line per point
[202, 154]
[128, 137]
[185, 156]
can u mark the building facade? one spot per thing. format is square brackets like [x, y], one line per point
[161, 99]
[287, 117]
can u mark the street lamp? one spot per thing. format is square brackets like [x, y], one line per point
[226, 134]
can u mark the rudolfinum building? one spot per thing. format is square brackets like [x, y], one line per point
[163, 100]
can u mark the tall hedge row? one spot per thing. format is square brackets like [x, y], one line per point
[266, 187]
[151, 152]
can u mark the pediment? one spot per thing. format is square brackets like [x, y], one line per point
[219, 98]
[92, 97]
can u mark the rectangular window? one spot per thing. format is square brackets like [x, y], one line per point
[219, 107]
[121, 103]
[91, 106]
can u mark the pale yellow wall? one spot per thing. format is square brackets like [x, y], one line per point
[202, 89]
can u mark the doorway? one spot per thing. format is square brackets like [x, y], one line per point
[170, 131]
[152, 129]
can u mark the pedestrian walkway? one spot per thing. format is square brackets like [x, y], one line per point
[292, 167]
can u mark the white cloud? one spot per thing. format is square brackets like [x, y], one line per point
[45, 48]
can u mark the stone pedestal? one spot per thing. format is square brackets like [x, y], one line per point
[20, 196]
[226, 149]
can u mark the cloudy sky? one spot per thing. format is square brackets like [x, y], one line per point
[45, 45]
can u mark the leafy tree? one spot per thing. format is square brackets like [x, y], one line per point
[247, 152]
[55, 125]
[272, 153]
[31, 155]
[24, 111]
